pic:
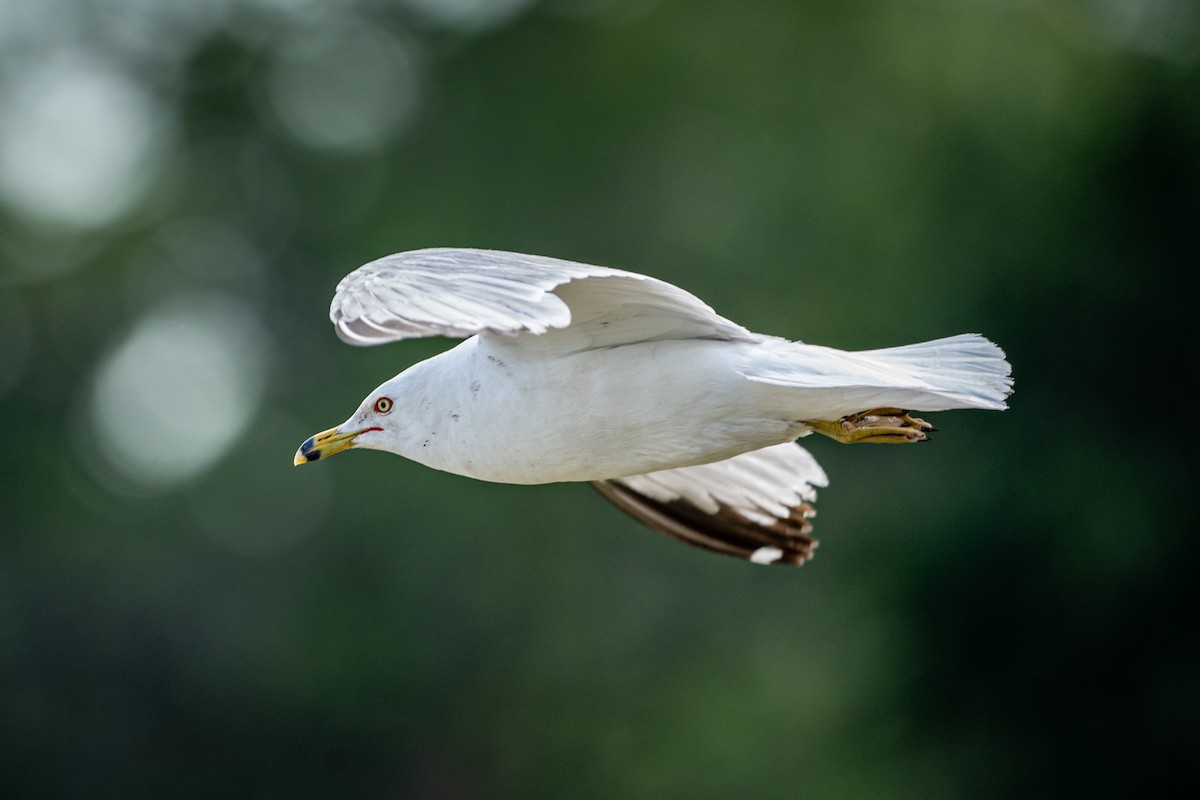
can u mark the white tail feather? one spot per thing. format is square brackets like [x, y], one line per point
[964, 371]
[967, 364]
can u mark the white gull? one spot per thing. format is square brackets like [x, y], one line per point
[682, 418]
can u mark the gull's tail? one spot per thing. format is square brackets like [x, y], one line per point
[964, 371]
[966, 367]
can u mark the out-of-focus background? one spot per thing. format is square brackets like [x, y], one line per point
[1009, 612]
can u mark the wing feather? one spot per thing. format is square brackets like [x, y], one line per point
[462, 292]
[756, 505]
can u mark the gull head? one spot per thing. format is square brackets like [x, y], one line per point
[367, 427]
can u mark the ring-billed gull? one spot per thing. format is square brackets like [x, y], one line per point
[682, 418]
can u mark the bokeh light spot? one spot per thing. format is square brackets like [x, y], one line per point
[1157, 28]
[76, 142]
[179, 391]
[348, 86]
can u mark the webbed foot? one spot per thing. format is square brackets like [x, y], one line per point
[877, 426]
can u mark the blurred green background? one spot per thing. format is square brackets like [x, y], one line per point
[1008, 612]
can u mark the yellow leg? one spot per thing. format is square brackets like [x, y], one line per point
[877, 426]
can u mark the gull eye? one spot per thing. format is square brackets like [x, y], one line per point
[383, 405]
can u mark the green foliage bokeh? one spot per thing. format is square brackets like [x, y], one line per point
[1007, 612]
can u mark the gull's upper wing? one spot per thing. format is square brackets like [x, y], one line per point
[461, 292]
[756, 505]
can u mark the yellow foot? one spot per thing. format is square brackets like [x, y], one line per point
[877, 426]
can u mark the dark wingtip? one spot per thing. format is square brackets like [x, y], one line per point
[785, 541]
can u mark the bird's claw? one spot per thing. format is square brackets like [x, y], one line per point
[876, 425]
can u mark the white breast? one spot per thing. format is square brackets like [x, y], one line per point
[486, 410]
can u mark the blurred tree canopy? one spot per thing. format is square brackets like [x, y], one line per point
[1009, 612]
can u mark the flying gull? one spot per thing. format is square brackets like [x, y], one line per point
[683, 419]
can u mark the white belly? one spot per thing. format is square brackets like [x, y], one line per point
[495, 414]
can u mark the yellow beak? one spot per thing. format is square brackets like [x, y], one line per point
[327, 443]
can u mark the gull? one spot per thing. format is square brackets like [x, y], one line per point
[683, 419]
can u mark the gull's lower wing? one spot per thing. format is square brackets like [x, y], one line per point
[756, 505]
